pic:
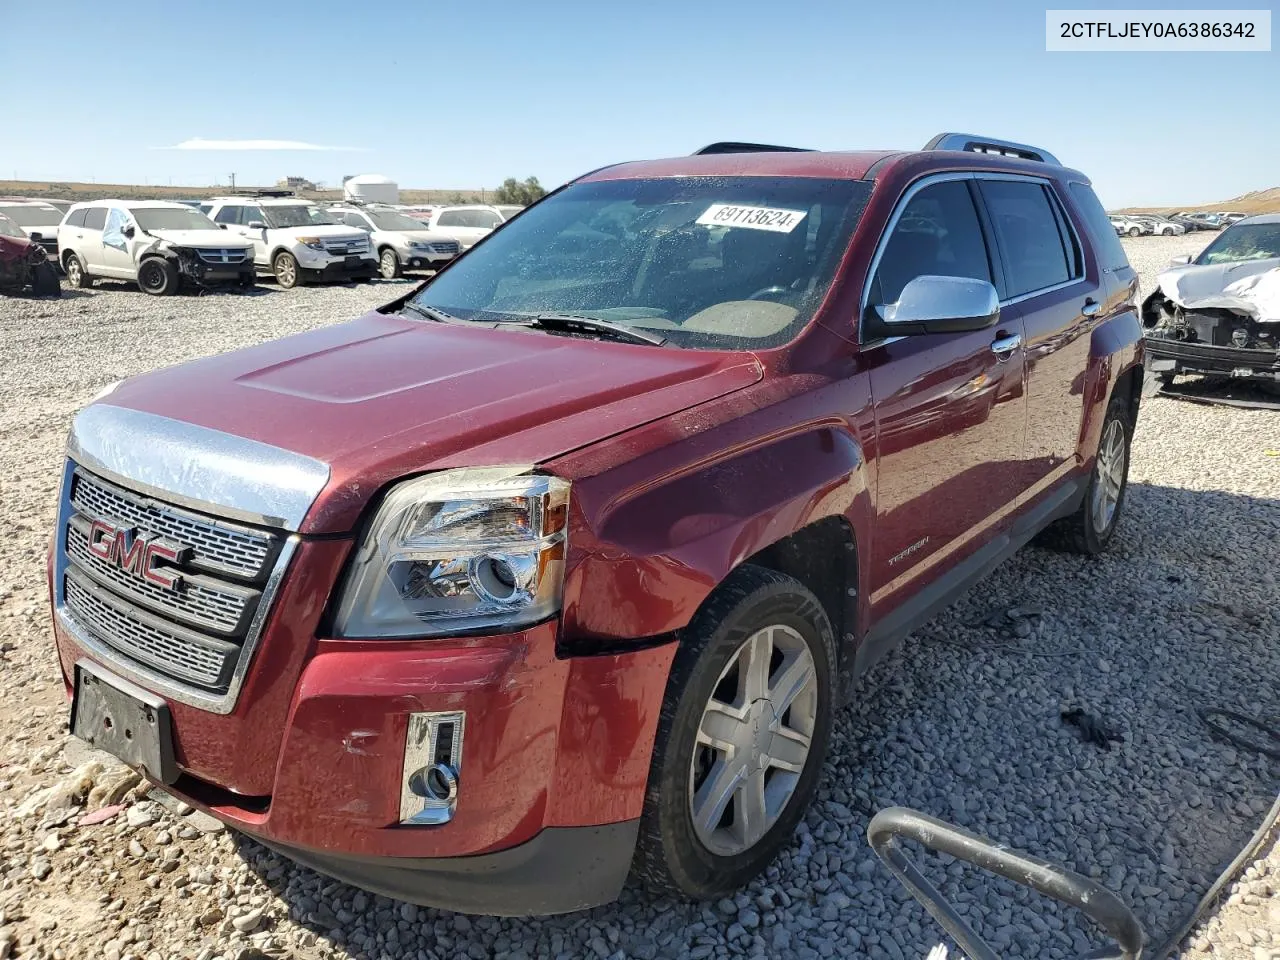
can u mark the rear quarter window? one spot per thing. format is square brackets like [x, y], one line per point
[1102, 232]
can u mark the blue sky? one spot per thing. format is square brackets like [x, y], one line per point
[463, 95]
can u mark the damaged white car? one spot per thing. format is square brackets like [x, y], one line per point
[161, 246]
[1220, 313]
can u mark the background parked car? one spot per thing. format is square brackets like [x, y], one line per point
[159, 245]
[401, 242]
[295, 239]
[508, 210]
[37, 220]
[1126, 226]
[466, 224]
[1163, 226]
[23, 263]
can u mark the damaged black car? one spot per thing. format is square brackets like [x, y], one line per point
[1219, 314]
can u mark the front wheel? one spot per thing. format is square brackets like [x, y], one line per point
[157, 277]
[1091, 528]
[288, 273]
[1134, 231]
[76, 274]
[389, 264]
[741, 738]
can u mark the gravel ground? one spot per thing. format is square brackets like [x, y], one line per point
[963, 722]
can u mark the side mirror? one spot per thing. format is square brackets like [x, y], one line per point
[128, 231]
[256, 225]
[1179, 261]
[934, 304]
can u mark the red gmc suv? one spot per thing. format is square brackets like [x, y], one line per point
[555, 571]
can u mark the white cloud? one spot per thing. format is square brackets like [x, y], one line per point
[199, 143]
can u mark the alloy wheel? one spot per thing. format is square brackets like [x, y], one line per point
[285, 272]
[387, 265]
[73, 271]
[1109, 473]
[753, 740]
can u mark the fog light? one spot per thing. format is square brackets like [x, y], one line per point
[432, 765]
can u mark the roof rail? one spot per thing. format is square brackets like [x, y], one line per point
[271, 193]
[1005, 148]
[736, 146]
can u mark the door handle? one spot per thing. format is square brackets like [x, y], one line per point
[1002, 347]
[1091, 306]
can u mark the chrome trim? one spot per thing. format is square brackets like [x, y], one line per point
[916, 187]
[421, 754]
[159, 683]
[1002, 346]
[197, 467]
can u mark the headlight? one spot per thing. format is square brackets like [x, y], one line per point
[315, 243]
[419, 244]
[457, 551]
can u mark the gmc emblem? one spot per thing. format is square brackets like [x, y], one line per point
[139, 556]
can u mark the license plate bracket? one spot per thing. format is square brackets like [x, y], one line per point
[126, 721]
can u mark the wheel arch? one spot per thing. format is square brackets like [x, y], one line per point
[651, 560]
[1116, 360]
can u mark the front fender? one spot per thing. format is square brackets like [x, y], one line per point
[649, 556]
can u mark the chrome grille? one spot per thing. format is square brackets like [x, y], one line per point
[202, 601]
[196, 633]
[354, 245]
[216, 546]
[224, 255]
[451, 246]
[206, 663]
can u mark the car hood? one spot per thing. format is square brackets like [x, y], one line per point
[1247, 286]
[426, 236]
[383, 397]
[202, 238]
[13, 248]
[332, 231]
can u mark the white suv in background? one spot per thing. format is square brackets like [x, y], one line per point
[466, 224]
[295, 239]
[157, 244]
[38, 220]
[402, 243]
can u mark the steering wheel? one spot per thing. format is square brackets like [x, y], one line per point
[767, 290]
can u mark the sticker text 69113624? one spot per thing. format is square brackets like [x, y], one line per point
[753, 218]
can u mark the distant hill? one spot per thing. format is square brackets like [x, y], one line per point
[124, 191]
[1259, 201]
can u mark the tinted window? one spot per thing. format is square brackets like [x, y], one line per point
[1027, 231]
[76, 218]
[450, 218]
[938, 234]
[1101, 228]
[355, 220]
[228, 215]
[95, 218]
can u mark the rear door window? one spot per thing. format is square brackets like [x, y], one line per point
[1102, 229]
[938, 234]
[95, 218]
[1030, 235]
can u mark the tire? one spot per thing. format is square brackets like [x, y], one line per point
[1167, 232]
[288, 273]
[77, 276]
[389, 264]
[754, 611]
[45, 282]
[1134, 232]
[1093, 526]
[158, 277]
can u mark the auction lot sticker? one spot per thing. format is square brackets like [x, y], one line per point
[753, 218]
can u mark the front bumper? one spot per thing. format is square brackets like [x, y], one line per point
[420, 260]
[552, 780]
[1165, 356]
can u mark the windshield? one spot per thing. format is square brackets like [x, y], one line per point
[171, 218]
[391, 220]
[1253, 241]
[296, 215]
[32, 216]
[709, 262]
[8, 228]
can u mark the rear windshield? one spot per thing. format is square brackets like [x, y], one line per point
[707, 262]
[171, 218]
[296, 215]
[32, 216]
[1250, 241]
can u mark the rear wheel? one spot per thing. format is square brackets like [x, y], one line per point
[76, 275]
[288, 273]
[741, 738]
[1091, 528]
[157, 277]
[389, 264]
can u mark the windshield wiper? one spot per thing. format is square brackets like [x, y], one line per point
[429, 313]
[568, 321]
